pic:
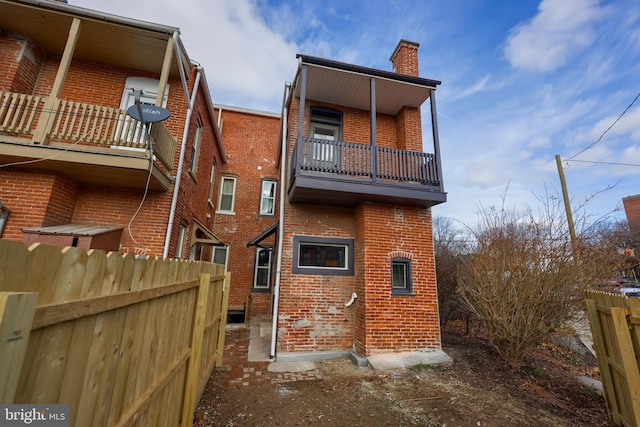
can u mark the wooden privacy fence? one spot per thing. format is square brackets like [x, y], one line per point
[122, 340]
[615, 326]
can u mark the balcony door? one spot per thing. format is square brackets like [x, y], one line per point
[129, 130]
[325, 129]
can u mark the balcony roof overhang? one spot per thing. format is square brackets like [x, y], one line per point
[104, 38]
[109, 167]
[350, 193]
[339, 83]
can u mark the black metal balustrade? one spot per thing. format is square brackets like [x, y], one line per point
[361, 161]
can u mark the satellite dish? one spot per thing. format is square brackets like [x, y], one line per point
[150, 113]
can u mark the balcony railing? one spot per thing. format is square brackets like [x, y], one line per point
[358, 161]
[80, 123]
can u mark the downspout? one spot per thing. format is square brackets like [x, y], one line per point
[283, 177]
[176, 187]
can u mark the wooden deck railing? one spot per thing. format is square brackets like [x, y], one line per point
[360, 160]
[78, 122]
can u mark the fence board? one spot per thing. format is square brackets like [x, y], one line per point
[16, 316]
[616, 344]
[108, 334]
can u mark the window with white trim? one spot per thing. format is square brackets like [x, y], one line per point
[4, 217]
[322, 255]
[220, 256]
[401, 283]
[325, 125]
[195, 148]
[212, 181]
[126, 130]
[262, 273]
[182, 237]
[227, 200]
[268, 198]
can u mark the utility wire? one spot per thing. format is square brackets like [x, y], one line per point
[604, 163]
[593, 144]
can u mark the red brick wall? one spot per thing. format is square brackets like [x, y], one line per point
[193, 200]
[251, 143]
[60, 200]
[64, 192]
[312, 315]
[20, 62]
[35, 200]
[632, 210]
[356, 124]
[312, 312]
[395, 322]
[405, 58]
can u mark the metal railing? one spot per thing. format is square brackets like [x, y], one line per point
[78, 122]
[360, 160]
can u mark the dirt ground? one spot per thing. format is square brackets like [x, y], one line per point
[477, 390]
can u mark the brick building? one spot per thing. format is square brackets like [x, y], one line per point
[631, 206]
[75, 168]
[321, 212]
[251, 177]
[346, 264]
[358, 267]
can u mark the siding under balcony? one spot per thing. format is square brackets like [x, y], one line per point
[338, 173]
[90, 143]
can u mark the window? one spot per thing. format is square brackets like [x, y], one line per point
[220, 255]
[226, 203]
[322, 255]
[182, 236]
[262, 274]
[195, 149]
[4, 216]
[401, 276]
[149, 88]
[212, 181]
[326, 125]
[268, 198]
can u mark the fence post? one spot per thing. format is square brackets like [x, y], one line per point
[597, 333]
[223, 319]
[195, 359]
[16, 317]
[628, 359]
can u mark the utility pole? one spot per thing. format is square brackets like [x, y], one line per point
[567, 207]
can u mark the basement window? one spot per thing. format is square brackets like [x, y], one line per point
[322, 255]
[401, 283]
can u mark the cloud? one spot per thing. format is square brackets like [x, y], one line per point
[628, 124]
[246, 54]
[480, 85]
[560, 30]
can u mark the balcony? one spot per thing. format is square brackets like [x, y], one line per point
[90, 143]
[339, 173]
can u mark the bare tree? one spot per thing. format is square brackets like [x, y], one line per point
[525, 279]
[449, 248]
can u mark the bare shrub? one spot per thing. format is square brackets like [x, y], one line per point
[524, 278]
[448, 242]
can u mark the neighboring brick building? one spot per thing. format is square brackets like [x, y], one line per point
[632, 211]
[250, 139]
[74, 167]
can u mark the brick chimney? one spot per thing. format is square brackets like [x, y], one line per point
[405, 58]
